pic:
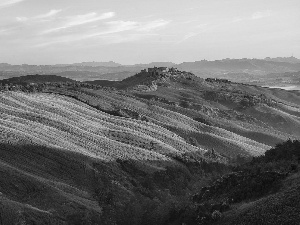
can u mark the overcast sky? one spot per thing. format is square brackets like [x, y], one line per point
[140, 31]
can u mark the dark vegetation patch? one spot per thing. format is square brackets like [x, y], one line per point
[260, 177]
[49, 184]
[24, 80]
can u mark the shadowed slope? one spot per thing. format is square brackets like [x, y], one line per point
[23, 80]
[44, 184]
[280, 208]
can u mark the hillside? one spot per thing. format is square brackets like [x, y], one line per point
[291, 59]
[234, 107]
[229, 117]
[223, 68]
[131, 151]
[287, 80]
[262, 191]
[69, 124]
[76, 72]
[279, 208]
[23, 80]
[55, 151]
[211, 113]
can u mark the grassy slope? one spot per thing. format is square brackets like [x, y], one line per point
[62, 122]
[184, 125]
[55, 151]
[180, 101]
[44, 185]
[280, 208]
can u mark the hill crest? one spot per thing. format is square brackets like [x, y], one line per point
[28, 79]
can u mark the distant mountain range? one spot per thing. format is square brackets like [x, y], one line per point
[95, 64]
[291, 59]
[87, 71]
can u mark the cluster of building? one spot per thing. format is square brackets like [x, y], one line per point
[160, 70]
[217, 80]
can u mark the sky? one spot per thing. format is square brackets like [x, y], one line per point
[143, 31]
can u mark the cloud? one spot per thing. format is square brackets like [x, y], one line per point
[121, 38]
[80, 20]
[153, 25]
[104, 38]
[120, 25]
[3, 31]
[261, 14]
[40, 18]
[22, 19]
[188, 36]
[88, 18]
[197, 30]
[53, 28]
[113, 27]
[51, 13]
[119, 31]
[7, 3]
[238, 19]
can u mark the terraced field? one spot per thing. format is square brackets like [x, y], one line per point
[177, 119]
[62, 122]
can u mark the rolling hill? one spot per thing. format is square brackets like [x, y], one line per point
[130, 151]
[23, 80]
[262, 191]
[89, 71]
[52, 146]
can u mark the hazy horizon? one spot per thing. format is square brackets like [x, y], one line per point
[137, 63]
[40, 32]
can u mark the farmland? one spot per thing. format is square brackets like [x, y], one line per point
[61, 122]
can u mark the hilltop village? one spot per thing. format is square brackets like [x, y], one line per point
[165, 72]
[160, 72]
[159, 75]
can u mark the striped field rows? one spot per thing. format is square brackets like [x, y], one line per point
[62, 122]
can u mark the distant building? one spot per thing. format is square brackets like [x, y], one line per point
[217, 80]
